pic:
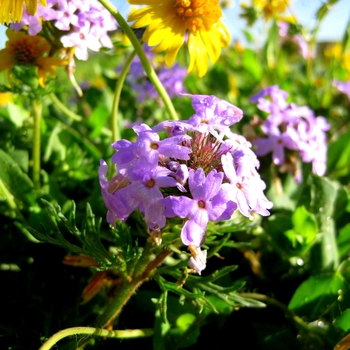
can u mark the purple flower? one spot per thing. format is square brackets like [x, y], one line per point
[136, 160]
[119, 206]
[247, 192]
[213, 114]
[289, 127]
[202, 207]
[81, 24]
[200, 172]
[343, 87]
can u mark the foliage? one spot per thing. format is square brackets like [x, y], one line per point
[282, 279]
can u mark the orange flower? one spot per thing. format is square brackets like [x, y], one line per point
[13, 9]
[26, 50]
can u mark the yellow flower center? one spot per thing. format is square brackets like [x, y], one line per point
[151, 183]
[198, 14]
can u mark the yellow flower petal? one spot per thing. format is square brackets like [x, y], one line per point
[48, 65]
[169, 21]
[13, 9]
[198, 55]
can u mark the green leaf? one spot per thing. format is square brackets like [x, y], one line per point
[21, 157]
[161, 326]
[251, 64]
[339, 155]
[344, 270]
[55, 145]
[304, 230]
[343, 240]
[17, 114]
[15, 180]
[319, 197]
[98, 119]
[88, 236]
[186, 331]
[272, 46]
[316, 295]
[343, 321]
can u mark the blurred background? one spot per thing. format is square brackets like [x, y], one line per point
[332, 27]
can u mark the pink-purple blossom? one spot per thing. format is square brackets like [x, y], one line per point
[83, 25]
[201, 172]
[343, 86]
[289, 127]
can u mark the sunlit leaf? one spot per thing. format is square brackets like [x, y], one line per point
[315, 295]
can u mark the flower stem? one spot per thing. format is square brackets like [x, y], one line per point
[116, 135]
[37, 109]
[143, 270]
[124, 334]
[146, 65]
[64, 109]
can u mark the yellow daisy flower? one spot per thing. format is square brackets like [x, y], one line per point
[23, 49]
[169, 21]
[272, 8]
[13, 9]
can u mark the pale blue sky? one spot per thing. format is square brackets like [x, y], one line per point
[332, 29]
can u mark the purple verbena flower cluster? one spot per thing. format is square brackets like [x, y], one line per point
[172, 78]
[85, 21]
[343, 87]
[200, 172]
[291, 127]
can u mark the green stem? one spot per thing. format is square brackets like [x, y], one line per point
[37, 109]
[145, 63]
[142, 271]
[116, 135]
[64, 109]
[124, 334]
